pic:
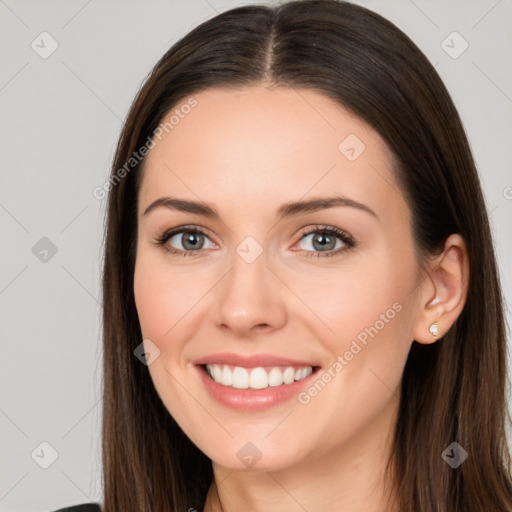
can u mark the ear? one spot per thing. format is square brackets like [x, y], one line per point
[443, 292]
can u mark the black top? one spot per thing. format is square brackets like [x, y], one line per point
[86, 507]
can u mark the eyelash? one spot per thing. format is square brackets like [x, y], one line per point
[348, 240]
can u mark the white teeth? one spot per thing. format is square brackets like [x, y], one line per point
[240, 378]
[275, 377]
[256, 378]
[227, 377]
[216, 373]
[289, 375]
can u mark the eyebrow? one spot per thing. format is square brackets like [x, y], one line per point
[286, 210]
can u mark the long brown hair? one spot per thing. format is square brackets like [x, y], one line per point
[452, 390]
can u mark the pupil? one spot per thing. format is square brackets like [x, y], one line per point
[191, 241]
[324, 240]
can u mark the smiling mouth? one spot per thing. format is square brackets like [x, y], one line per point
[260, 377]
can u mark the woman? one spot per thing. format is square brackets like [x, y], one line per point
[257, 373]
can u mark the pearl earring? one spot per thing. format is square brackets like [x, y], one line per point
[434, 330]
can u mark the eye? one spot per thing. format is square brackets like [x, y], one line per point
[326, 241]
[320, 241]
[190, 239]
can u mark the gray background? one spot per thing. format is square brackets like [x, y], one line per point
[60, 119]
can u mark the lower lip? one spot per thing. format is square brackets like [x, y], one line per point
[253, 399]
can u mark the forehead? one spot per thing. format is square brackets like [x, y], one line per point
[253, 146]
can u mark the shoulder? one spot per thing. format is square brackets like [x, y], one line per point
[86, 507]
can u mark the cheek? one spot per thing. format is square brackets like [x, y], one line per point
[368, 313]
[165, 300]
[368, 348]
[164, 294]
[154, 302]
[353, 300]
[161, 298]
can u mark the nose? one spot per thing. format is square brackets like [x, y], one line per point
[250, 299]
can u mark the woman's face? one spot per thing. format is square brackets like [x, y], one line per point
[251, 287]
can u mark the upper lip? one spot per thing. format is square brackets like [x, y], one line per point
[252, 361]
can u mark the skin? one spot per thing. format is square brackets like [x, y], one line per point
[246, 152]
